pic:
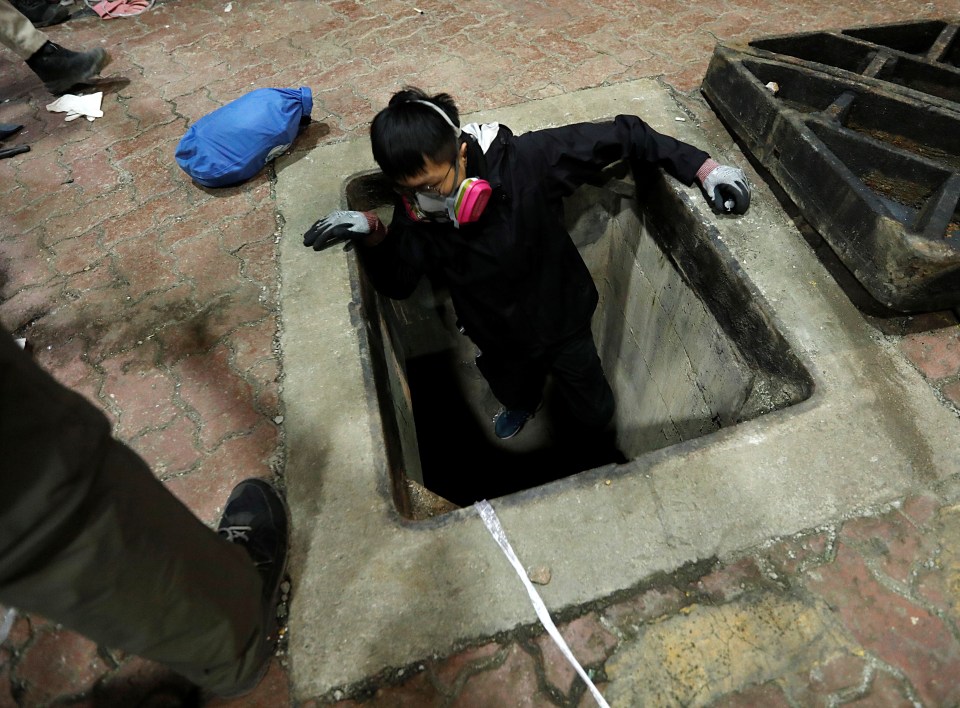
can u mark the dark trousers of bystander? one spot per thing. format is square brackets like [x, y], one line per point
[90, 539]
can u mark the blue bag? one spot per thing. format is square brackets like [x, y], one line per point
[234, 142]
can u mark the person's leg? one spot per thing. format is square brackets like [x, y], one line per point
[581, 383]
[17, 33]
[518, 384]
[89, 538]
[60, 69]
[583, 426]
[41, 12]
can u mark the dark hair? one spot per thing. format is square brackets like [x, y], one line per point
[403, 132]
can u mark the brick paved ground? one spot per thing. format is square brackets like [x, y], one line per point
[158, 300]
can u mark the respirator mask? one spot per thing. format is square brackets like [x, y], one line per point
[464, 206]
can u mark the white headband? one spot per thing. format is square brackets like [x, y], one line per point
[456, 129]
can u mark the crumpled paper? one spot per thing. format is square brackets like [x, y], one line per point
[76, 106]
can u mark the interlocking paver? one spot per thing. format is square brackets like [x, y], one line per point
[803, 551]
[587, 639]
[158, 300]
[952, 393]
[935, 353]
[885, 691]
[139, 389]
[731, 581]
[58, 663]
[171, 449]
[627, 616]
[899, 631]
[417, 692]
[222, 399]
[769, 695]
[512, 683]
[842, 672]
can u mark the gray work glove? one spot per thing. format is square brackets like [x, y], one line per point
[336, 227]
[727, 188]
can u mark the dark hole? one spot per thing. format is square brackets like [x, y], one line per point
[462, 464]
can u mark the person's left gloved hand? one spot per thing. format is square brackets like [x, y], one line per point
[726, 187]
[338, 226]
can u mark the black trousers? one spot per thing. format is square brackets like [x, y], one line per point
[90, 539]
[518, 381]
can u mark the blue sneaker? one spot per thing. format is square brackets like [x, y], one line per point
[507, 423]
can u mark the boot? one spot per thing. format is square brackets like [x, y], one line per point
[40, 12]
[60, 68]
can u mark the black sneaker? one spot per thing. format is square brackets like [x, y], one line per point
[60, 69]
[255, 517]
[40, 12]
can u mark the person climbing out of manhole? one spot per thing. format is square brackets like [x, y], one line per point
[479, 210]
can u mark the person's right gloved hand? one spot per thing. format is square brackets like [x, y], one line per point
[339, 226]
[725, 187]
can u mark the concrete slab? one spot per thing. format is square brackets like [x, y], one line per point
[869, 433]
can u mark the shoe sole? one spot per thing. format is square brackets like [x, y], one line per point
[103, 58]
[511, 435]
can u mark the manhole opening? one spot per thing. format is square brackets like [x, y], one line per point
[686, 346]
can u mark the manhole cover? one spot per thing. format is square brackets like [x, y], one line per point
[861, 128]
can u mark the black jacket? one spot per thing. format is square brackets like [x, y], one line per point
[515, 277]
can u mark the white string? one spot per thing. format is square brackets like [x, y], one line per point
[492, 523]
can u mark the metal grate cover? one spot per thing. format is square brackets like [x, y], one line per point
[861, 128]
